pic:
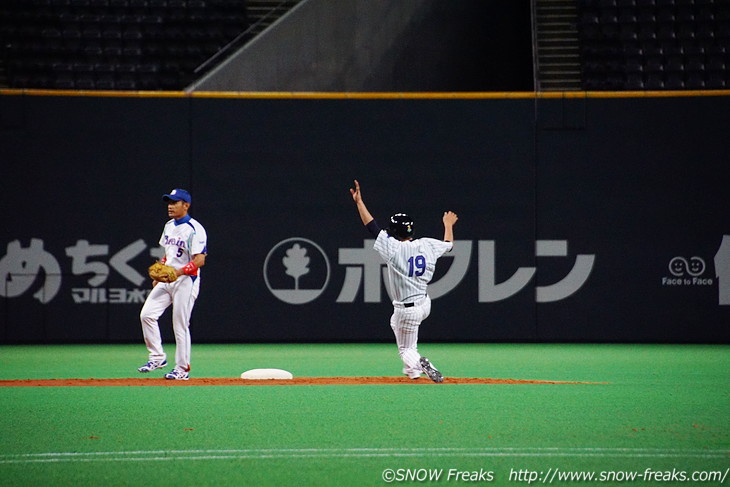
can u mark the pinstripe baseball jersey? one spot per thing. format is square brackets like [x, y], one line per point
[411, 263]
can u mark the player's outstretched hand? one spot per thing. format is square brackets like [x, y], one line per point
[450, 218]
[356, 195]
[362, 210]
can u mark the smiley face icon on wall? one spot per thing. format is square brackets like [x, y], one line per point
[696, 266]
[678, 266]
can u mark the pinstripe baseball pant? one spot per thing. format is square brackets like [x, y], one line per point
[405, 322]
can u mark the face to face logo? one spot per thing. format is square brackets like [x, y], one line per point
[679, 266]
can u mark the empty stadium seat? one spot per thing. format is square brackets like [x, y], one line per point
[655, 44]
[113, 44]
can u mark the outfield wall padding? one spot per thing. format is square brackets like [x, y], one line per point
[581, 219]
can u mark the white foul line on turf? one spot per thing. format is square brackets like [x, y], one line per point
[292, 453]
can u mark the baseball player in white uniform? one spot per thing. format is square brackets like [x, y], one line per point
[186, 245]
[411, 264]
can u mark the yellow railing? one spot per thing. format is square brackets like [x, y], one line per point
[371, 95]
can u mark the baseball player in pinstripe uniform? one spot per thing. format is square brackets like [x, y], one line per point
[411, 263]
[186, 245]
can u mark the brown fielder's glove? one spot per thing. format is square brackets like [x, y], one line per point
[162, 273]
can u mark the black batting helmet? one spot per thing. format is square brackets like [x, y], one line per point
[401, 226]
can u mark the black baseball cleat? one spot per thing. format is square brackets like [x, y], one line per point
[431, 371]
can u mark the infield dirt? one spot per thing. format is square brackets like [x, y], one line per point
[297, 381]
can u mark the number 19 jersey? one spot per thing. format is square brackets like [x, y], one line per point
[411, 263]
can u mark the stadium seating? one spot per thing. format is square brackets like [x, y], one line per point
[114, 44]
[655, 44]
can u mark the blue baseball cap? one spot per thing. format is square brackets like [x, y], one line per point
[177, 195]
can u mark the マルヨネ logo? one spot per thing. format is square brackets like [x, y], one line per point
[33, 269]
[296, 270]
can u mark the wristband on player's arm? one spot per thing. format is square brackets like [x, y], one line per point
[373, 228]
[190, 269]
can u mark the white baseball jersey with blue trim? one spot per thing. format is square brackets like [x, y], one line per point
[411, 263]
[182, 239]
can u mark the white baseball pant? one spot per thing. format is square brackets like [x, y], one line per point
[181, 294]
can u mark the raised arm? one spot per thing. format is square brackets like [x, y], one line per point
[365, 215]
[449, 220]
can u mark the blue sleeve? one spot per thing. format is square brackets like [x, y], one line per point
[373, 228]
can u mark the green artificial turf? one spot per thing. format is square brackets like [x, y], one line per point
[658, 407]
